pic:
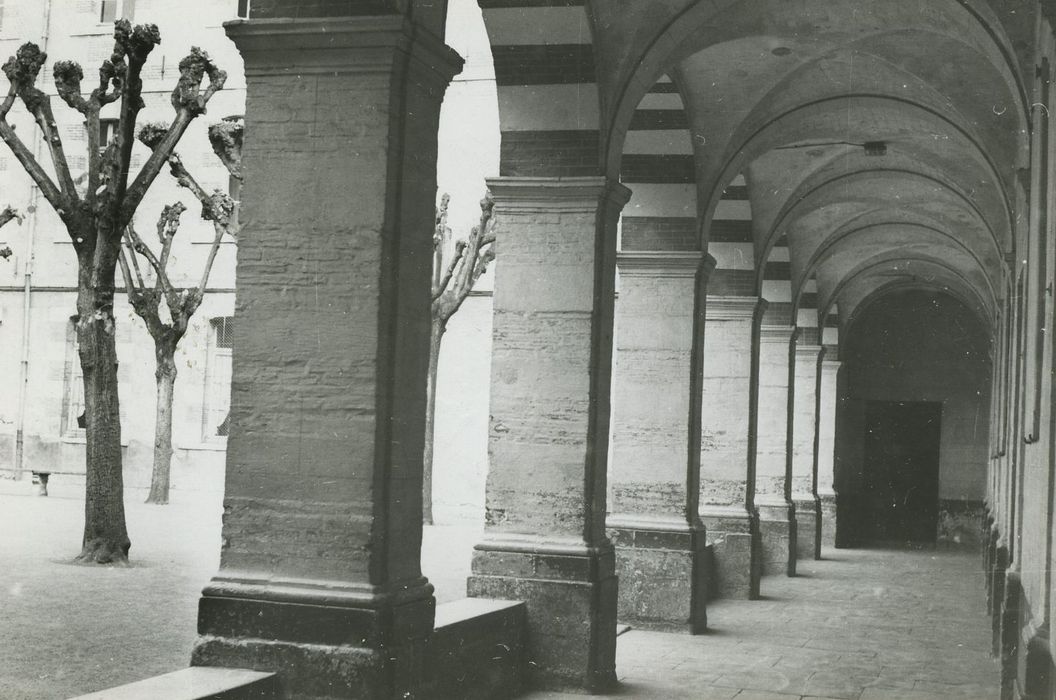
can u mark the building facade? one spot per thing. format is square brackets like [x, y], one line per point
[41, 382]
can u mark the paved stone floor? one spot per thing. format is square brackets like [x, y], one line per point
[865, 624]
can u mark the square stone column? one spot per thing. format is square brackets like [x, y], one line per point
[828, 401]
[655, 480]
[804, 445]
[727, 444]
[551, 371]
[773, 466]
[319, 577]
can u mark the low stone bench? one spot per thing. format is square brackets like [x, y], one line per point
[478, 650]
[197, 683]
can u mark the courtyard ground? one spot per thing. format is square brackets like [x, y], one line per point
[864, 624]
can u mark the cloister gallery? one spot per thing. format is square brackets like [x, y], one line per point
[772, 277]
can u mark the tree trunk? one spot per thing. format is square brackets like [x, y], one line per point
[165, 376]
[105, 537]
[439, 326]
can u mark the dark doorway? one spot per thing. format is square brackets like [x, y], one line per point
[901, 471]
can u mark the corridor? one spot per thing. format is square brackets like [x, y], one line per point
[863, 624]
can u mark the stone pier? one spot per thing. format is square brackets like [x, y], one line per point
[804, 445]
[653, 522]
[828, 398]
[777, 519]
[727, 445]
[545, 541]
[319, 577]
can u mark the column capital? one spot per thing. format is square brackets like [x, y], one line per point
[807, 349]
[830, 366]
[734, 308]
[662, 263]
[776, 333]
[340, 45]
[565, 194]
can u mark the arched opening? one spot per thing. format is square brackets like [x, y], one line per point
[912, 429]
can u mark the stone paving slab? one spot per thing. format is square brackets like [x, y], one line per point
[861, 625]
[66, 629]
[866, 625]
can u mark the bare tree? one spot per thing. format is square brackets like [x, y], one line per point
[95, 222]
[146, 298]
[452, 282]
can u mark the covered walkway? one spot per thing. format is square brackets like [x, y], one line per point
[863, 624]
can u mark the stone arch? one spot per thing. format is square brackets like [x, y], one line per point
[677, 34]
[865, 273]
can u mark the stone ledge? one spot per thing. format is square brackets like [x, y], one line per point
[197, 683]
[478, 649]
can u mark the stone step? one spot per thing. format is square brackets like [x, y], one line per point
[197, 683]
[478, 649]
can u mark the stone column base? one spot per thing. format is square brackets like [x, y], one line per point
[1037, 668]
[827, 513]
[1009, 633]
[733, 535]
[570, 592]
[997, 595]
[777, 533]
[808, 526]
[324, 643]
[663, 573]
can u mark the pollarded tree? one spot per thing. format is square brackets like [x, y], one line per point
[146, 298]
[96, 221]
[453, 280]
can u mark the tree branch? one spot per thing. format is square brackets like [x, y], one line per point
[48, 188]
[143, 249]
[22, 70]
[445, 279]
[189, 101]
[5, 216]
[219, 232]
[168, 224]
[126, 274]
[226, 139]
[127, 243]
[132, 46]
[472, 258]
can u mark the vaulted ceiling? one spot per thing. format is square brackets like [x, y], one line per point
[879, 141]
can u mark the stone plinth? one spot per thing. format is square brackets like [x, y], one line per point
[727, 444]
[804, 446]
[827, 508]
[773, 488]
[733, 536]
[319, 577]
[545, 540]
[655, 469]
[663, 573]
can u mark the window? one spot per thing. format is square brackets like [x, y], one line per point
[111, 10]
[73, 386]
[243, 8]
[107, 130]
[217, 405]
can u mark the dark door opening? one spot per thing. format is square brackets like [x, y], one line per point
[901, 472]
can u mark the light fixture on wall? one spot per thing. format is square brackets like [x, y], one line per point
[875, 148]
